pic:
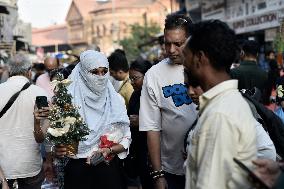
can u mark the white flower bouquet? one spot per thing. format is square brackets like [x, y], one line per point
[280, 91]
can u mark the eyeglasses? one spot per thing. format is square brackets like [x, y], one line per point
[135, 78]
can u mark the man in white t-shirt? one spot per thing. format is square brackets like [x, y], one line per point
[166, 111]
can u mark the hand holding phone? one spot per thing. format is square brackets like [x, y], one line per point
[97, 158]
[256, 179]
[41, 101]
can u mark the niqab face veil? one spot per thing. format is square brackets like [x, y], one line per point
[90, 61]
[100, 105]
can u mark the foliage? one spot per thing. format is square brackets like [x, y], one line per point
[66, 124]
[139, 35]
[278, 43]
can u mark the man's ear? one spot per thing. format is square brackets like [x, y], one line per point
[198, 58]
[203, 57]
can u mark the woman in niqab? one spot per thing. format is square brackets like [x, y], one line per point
[103, 109]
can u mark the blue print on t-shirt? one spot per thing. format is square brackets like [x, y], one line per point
[178, 92]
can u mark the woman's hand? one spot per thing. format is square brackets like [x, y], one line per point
[105, 151]
[97, 158]
[134, 120]
[60, 150]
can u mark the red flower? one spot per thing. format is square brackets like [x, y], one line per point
[105, 143]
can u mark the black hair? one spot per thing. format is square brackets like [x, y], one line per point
[39, 66]
[250, 47]
[216, 40]
[117, 61]
[67, 70]
[269, 52]
[54, 73]
[178, 21]
[120, 51]
[141, 66]
[189, 80]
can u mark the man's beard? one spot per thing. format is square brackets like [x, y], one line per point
[190, 79]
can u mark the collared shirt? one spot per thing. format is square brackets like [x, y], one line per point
[43, 81]
[126, 90]
[19, 153]
[225, 129]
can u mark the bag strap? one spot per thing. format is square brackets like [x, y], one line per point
[12, 99]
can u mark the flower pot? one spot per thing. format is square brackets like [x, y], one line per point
[72, 149]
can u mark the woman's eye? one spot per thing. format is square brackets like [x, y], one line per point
[94, 72]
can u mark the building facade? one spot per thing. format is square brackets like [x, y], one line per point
[51, 39]
[14, 33]
[78, 22]
[8, 21]
[105, 23]
[250, 19]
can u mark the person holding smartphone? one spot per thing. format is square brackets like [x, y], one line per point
[20, 157]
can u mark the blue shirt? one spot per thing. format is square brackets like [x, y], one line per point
[280, 113]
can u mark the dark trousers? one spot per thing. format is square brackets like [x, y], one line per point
[29, 182]
[78, 174]
[175, 181]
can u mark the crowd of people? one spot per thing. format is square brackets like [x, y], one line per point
[187, 121]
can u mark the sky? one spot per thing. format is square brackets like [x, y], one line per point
[42, 13]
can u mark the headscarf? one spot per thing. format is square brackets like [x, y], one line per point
[100, 105]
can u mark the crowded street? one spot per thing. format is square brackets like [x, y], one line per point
[141, 94]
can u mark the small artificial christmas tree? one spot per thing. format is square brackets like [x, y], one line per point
[66, 124]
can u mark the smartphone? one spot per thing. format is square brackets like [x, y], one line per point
[41, 101]
[255, 178]
[97, 158]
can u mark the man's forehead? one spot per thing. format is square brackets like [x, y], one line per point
[175, 34]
